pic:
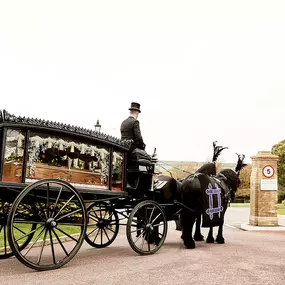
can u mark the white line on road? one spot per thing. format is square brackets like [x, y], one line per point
[230, 226]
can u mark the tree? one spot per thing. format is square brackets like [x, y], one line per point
[279, 149]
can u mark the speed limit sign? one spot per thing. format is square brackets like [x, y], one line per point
[268, 171]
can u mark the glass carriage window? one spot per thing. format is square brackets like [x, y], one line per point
[82, 164]
[14, 155]
[118, 170]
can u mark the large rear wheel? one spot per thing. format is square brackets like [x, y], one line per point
[58, 210]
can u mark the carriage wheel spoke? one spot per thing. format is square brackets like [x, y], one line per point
[156, 218]
[42, 248]
[145, 214]
[110, 229]
[31, 232]
[52, 247]
[69, 214]
[100, 211]
[137, 230]
[64, 205]
[96, 235]
[36, 239]
[142, 244]
[106, 234]
[139, 236]
[60, 242]
[95, 219]
[35, 213]
[40, 204]
[110, 217]
[19, 230]
[57, 198]
[105, 213]
[67, 234]
[96, 229]
[157, 225]
[151, 215]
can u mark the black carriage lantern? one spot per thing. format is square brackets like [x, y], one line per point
[97, 127]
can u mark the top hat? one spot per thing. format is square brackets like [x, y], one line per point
[135, 107]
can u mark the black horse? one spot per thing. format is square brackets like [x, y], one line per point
[207, 169]
[207, 195]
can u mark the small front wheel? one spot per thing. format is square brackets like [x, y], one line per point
[146, 228]
[103, 224]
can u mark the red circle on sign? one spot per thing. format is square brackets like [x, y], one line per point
[268, 171]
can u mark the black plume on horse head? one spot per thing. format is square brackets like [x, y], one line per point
[240, 165]
[210, 167]
[217, 151]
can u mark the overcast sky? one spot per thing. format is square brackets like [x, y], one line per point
[201, 70]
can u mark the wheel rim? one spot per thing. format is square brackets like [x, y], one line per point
[146, 228]
[103, 225]
[59, 213]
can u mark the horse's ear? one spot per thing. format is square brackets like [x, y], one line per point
[240, 165]
[217, 151]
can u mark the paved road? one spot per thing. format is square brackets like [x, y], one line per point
[246, 258]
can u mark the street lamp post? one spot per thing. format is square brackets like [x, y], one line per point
[97, 127]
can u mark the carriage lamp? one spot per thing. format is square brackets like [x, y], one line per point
[97, 127]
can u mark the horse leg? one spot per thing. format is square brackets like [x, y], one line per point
[220, 239]
[210, 238]
[198, 236]
[187, 220]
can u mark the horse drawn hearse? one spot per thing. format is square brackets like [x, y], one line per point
[61, 185]
[61, 181]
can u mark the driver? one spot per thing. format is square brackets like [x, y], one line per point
[130, 128]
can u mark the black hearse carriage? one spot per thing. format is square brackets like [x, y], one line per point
[61, 185]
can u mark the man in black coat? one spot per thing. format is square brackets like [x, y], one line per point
[130, 128]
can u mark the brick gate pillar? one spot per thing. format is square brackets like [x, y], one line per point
[263, 190]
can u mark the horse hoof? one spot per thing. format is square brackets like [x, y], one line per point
[220, 240]
[210, 240]
[189, 246]
[198, 237]
[189, 243]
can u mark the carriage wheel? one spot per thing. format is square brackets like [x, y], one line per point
[58, 210]
[103, 225]
[146, 228]
[5, 250]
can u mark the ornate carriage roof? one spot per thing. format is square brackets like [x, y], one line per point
[6, 117]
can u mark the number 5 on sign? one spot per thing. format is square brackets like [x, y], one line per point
[268, 171]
